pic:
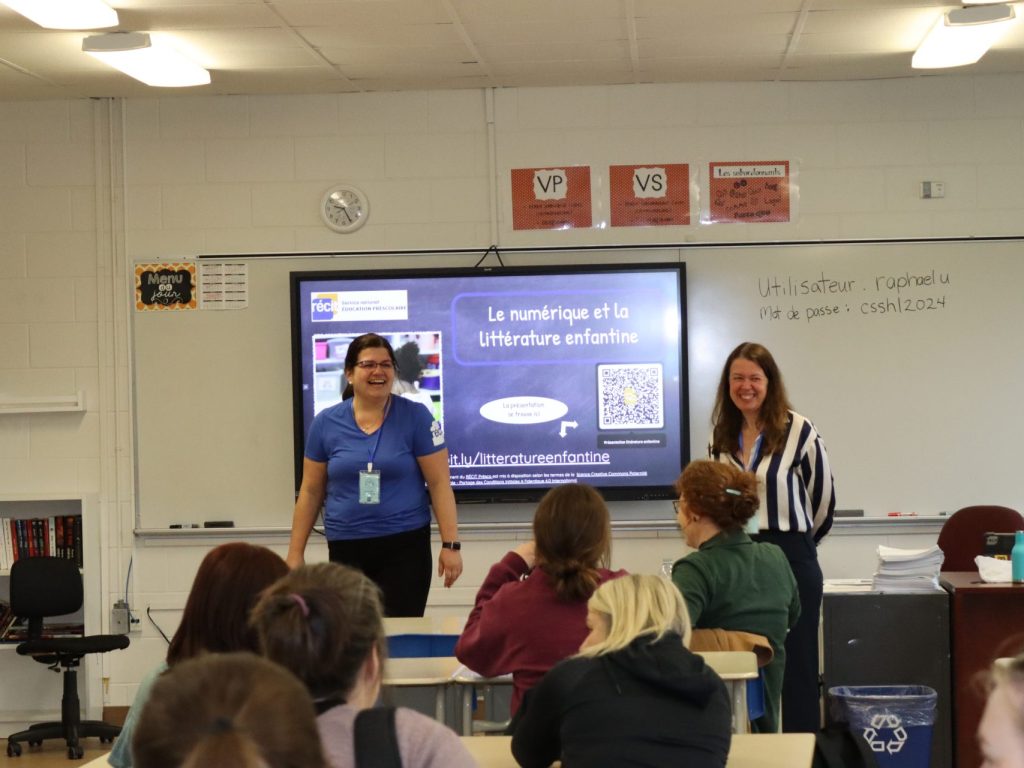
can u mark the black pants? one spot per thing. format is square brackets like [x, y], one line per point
[400, 564]
[801, 709]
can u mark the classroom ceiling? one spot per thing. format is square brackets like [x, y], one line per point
[348, 46]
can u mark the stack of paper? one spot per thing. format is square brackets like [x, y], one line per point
[908, 570]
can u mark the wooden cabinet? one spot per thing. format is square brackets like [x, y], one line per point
[987, 621]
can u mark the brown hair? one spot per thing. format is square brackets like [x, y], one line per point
[367, 341]
[321, 622]
[721, 492]
[226, 587]
[233, 710]
[572, 532]
[726, 417]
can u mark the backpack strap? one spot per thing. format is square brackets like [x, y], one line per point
[376, 740]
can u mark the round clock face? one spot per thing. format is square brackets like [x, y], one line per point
[344, 208]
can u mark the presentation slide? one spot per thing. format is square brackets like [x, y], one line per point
[538, 377]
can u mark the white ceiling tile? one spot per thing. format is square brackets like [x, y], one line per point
[311, 46]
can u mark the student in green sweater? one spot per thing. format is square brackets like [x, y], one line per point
[732, 582]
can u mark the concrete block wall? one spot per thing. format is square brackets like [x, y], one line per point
[89, 187]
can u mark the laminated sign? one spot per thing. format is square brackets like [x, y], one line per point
[165, 286]
[650, 195]
[551, 198]
[755, 192]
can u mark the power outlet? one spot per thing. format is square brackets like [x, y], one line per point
[119, 624]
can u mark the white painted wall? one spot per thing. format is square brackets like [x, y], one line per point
[88, 187]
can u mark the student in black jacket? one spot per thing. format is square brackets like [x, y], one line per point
[634, 695]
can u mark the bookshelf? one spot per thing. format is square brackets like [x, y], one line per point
[31, 692]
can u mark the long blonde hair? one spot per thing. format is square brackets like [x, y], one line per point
[634, 605]
[1009, 673]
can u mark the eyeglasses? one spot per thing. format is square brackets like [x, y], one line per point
[372, 365]
[675, 506]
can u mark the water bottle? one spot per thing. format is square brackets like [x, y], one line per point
[1017, 558]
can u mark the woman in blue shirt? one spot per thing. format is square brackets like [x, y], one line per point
[378, 464]
[756, 429]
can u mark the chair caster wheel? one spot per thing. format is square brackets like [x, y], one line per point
[75, 753]
[32, 743]
[106, 739]
[13, 749]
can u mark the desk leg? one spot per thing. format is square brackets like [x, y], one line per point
[439, 703]
[467, 709]
[740, 713]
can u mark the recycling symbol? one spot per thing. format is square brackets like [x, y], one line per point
[885, 734]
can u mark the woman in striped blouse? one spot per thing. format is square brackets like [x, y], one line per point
[756, 429]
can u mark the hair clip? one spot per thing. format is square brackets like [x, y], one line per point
[733, 492]
[301, 602]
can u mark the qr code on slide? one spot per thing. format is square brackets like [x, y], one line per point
[630, 396]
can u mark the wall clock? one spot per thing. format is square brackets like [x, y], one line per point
[344, 208]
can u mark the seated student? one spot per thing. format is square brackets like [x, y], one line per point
[531, 610]
[324, 623]
[634, 695]
[1001, 730]
[227, 585]
[230, 710]
[732, 582]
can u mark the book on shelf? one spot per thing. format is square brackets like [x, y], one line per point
[6, 618]
[17, 632]
[6, 550]
[59, 536]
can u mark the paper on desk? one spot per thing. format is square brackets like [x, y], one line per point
[908, 570]
[993, 570]
[465, 673]
[898, 554]
[847, 585]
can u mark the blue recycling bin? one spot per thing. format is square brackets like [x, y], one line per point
[896, 721]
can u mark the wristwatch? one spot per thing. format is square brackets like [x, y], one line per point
[453, 545]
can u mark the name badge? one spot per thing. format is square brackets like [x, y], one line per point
[369, 486]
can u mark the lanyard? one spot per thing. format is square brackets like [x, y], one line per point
[755, 451]
[376, 444]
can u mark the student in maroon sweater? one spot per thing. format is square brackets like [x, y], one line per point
[531, 610]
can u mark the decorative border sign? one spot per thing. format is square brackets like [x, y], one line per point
[649, 195]
[165, 286]
[551, 198]
[750, 193]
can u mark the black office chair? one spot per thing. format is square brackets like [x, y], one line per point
[52, 586]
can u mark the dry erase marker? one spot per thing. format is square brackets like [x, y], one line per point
[903, 514]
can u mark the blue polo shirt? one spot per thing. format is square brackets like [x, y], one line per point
[409, 431]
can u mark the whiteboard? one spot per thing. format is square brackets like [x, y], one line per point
[905, 355]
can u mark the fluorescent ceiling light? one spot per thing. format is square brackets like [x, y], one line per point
[66, 14]
[152, 62]
[962, 36]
